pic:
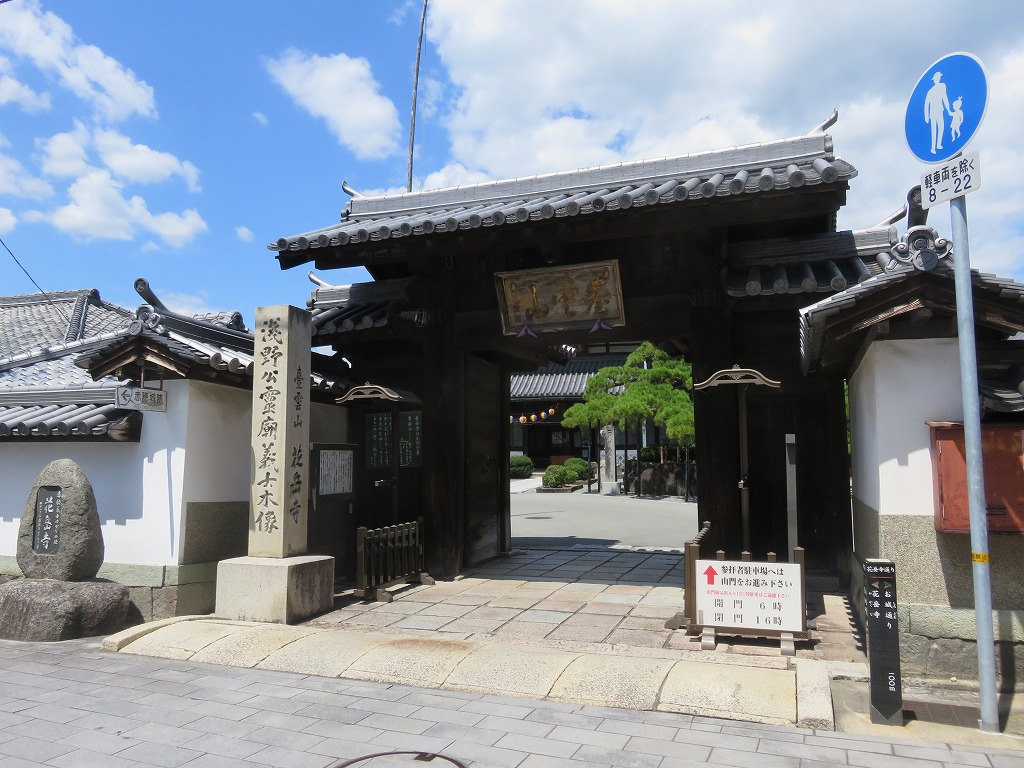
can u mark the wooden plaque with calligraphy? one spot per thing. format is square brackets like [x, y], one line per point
[585, 296]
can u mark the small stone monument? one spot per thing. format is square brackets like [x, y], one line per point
[60, 551]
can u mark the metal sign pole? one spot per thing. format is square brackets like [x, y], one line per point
[975, 474]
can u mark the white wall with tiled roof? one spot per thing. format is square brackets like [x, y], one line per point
[138, 486]
[898, 386]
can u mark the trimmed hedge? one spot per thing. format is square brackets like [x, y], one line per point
[556, 476]
[520, 467]
[579, 467]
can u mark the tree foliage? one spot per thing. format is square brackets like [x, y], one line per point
[650, 385]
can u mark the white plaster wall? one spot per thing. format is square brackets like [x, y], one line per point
[137, 485]
[218, 461]
[142, 488]
[899, 386]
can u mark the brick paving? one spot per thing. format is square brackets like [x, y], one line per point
[600, 597]
[73, 705]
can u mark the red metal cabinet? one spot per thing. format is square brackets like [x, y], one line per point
[1002, 447]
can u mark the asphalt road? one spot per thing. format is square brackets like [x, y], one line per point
[581, 519]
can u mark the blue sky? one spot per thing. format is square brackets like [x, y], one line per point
[175, 140]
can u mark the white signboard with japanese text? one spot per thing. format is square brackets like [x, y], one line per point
[750, 596]
[336, 468]
[954, 178]
[140, 399]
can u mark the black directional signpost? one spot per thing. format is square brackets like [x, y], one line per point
[883, 642]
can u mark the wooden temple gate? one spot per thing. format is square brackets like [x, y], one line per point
[708, 256]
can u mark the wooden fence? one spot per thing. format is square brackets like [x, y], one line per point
[388, 556]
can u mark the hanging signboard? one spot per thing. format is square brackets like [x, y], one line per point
[580, 297]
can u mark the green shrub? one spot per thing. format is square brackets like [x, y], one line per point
[520, 467]
[649, 454]
[556, 476]
[579, 467]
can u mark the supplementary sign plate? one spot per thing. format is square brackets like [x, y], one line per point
[954, 178]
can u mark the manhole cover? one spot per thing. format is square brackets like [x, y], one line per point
[399, 759]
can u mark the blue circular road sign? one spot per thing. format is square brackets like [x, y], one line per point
[946, 107]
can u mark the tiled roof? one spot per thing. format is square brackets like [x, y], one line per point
[43, 394]
[563, 381]
[46, 388]
[825, 263]
[1004, 313]
[192, 342]
[343, 308]
[38, 320]
[729, 173]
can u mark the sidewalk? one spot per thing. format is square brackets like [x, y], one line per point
[72, 705]
[547, 626]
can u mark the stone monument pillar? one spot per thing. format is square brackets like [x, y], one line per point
[280, 433]
[609, 481]
[277, 582]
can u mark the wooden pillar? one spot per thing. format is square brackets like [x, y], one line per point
[444, 420]
[714, 410]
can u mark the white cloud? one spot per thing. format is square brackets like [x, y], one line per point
[8, 221]
[99, 210]
[113, 91]
[18, 182]
[65, 154]
[244, 234]
[260, 118]
[342, 92]
[532, 86]
[139, 163]
[14, 92]
[399, 14]
[452, 175]
[186, 304]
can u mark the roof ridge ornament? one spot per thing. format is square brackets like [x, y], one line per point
[921, 248]
[825, 124]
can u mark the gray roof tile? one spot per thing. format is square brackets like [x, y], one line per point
[561, 381]
[790, 163]
[35, 321]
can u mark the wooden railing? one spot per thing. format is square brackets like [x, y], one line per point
[388, 556]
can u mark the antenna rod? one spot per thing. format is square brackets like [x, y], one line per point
[415, 87]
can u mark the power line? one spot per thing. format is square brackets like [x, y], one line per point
[44, 293]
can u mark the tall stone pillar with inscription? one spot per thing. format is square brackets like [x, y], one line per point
[609, 476]
[278, 582]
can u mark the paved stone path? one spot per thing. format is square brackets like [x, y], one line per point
[72, 705]
[608, 597]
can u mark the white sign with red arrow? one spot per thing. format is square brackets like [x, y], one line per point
[750, 596]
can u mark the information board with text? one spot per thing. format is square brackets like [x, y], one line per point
[750, 596]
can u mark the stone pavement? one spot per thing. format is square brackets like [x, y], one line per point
[584, 628]
[73, 705]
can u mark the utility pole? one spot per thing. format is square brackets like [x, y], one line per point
[415, 88]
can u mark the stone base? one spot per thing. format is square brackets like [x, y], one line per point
[46, 610]
[282, 590]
